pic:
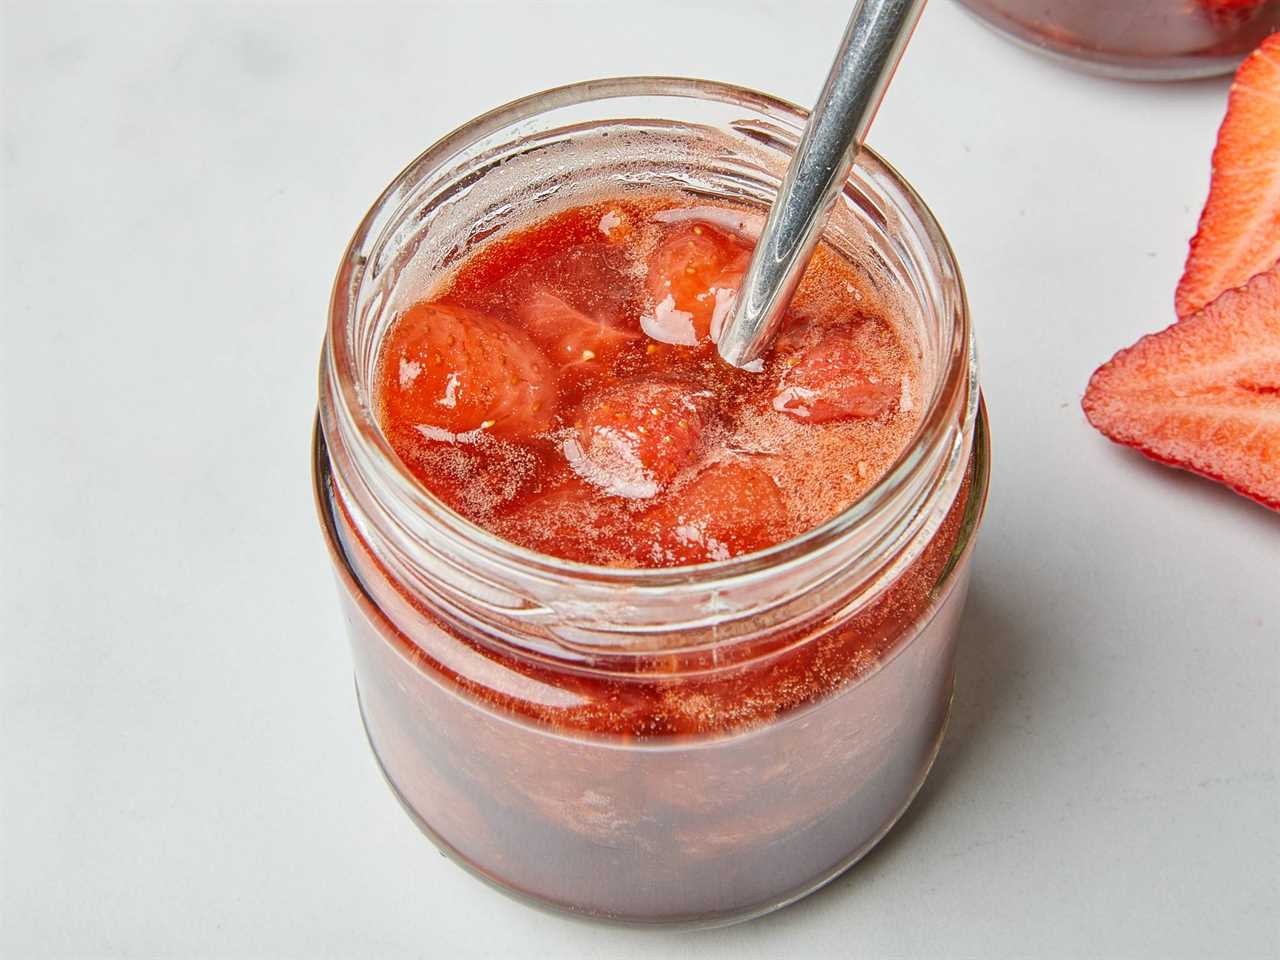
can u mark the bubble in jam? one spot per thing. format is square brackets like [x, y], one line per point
[561, 388]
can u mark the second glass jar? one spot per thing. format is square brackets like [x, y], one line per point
[1137, 39]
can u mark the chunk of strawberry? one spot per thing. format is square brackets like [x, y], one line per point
[632, 439]
[477, 477]
[1204, 395]
[569, 335]
[570, 519]
[449, 371]
[834, 377]
[696, 267]
[1239, 231]
[729, 509]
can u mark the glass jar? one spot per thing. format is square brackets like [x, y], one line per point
[1137, 39]
[693, 745]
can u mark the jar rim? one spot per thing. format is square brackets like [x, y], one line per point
[956, 390]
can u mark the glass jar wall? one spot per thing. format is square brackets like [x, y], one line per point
[691, 745]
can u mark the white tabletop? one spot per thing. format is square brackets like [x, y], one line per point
[183, 768]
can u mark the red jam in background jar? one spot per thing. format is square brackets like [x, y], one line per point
[564, 391]
[1138, 39]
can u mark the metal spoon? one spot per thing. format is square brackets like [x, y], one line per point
[873, 43]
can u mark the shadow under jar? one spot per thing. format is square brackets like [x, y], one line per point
[1137, 39]
[691, 745]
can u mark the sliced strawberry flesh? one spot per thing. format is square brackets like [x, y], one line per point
[1204, 395]
[1239, 231]
[634, 438]
[449, 371]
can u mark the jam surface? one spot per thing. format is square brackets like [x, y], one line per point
[562, 390]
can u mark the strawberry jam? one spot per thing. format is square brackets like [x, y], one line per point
[1138, 39]
[695, 700]
[562, 389]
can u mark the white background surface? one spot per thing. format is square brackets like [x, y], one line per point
[183, 768]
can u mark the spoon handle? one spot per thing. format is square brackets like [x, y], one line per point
[873, 42]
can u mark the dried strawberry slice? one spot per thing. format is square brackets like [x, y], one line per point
[1239, 231]
[1204, 395]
